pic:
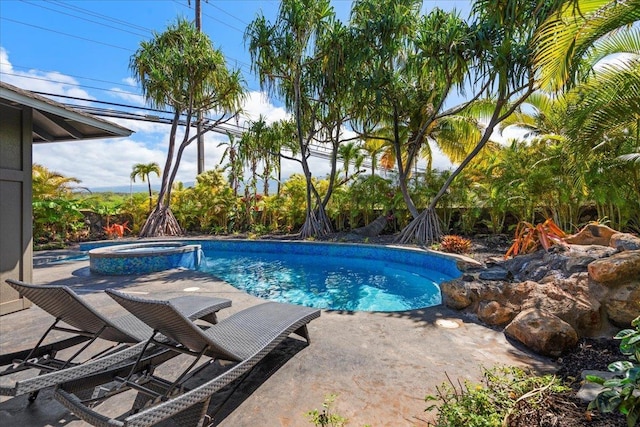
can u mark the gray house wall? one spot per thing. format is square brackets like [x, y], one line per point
[15, 203]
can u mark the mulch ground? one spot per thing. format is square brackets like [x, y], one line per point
[565, 409]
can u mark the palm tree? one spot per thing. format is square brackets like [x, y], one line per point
[350, 152]
[144, 171]
[181, 70]
[564, 43]
[235, 162]
[47, 184]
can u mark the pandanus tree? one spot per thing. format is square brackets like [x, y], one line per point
[144, 171]
[181, 70]
[410, 63]
[287, 58]
[502, 42]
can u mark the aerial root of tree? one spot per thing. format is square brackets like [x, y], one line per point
[161, 222]
[374, 228]
[424, 229]
[316, 225]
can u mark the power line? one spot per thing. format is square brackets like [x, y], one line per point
[84, 19]
[67, 83]
[227, 13]
[69, 75]
[226, 24]
[102, 16]
[64, 34]
[316, 150]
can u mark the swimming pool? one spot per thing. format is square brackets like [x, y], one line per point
[334, 276]
[331, 276]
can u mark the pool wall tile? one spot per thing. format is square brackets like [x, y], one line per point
[426, 259]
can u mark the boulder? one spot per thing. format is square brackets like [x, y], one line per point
[576, 309]
[625, 242]
[495, 314]
[580, 256]
[456, 294]
[592, 234]
[623, 304]
[542, 332]
[619, 267]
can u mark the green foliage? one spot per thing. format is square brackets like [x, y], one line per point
[57, 215]
[491, 403]
[622, 393]
[57, 219]
[205, 207]
[326, 417]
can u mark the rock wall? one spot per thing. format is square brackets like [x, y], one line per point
[549, 300]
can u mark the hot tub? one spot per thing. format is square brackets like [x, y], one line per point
[142, 258]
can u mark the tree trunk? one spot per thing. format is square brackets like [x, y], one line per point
[424, 229]
[161, 222]
[374, 228]
[150, 196]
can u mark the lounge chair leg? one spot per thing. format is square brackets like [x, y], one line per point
[84, 347]
[303, 332]
[26, 359]
[138, 359]
[186, 371]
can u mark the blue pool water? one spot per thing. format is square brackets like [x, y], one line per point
[342, 282]
[330, 276]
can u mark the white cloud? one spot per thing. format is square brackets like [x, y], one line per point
[40, 81]
[127, 96]
[108, 162]
[257, 103]
[97, 163]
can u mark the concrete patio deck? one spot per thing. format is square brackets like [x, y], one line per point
[380, 365]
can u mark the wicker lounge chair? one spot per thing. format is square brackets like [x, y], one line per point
[86, 325]
[244, 339]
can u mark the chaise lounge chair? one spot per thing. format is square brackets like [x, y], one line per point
[87, 325]
[243, 339]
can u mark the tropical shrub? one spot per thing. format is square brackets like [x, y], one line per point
[58, 219]
[622, 393]
[294, 192]
[57, 215]
[492, 403]
[455, 244]
[529, 237]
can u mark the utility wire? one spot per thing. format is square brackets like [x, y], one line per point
[188, 6]
[101, 16]
[64, 34]
[227, 13]
[84, 19]
[66, 74]
[69, 83]
[78, 84]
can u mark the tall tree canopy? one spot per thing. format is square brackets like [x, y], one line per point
[289, 58]
[181, 70]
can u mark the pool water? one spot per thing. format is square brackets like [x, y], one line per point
[334, 283]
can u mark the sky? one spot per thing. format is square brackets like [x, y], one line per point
[81, 49]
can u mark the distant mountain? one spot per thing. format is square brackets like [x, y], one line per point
[137, 188]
